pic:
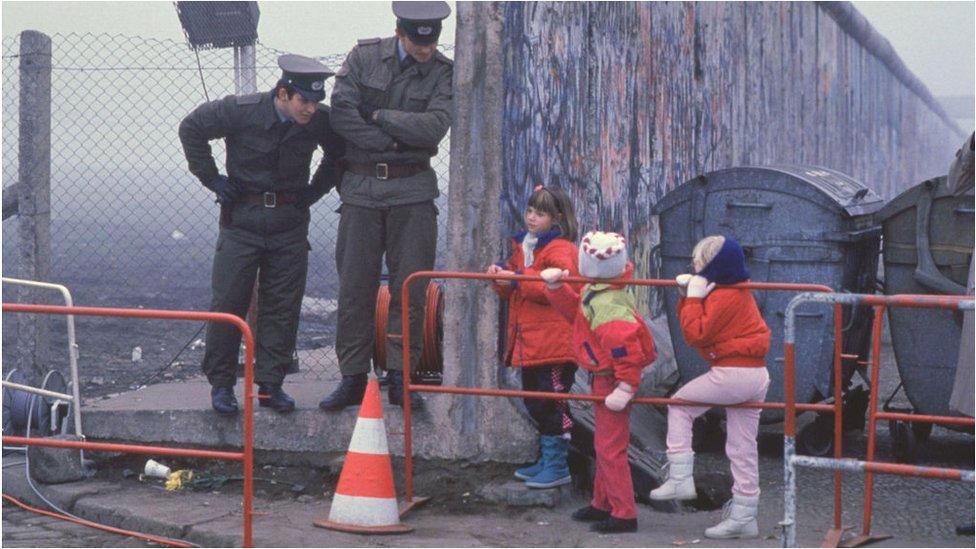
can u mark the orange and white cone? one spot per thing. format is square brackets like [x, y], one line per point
[365, 499]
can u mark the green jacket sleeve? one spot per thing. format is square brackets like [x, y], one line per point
[212, 120]
[329, 173]
[345, 102]
[422, 129]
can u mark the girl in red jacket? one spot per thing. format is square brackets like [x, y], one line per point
[612, 341]
[538, 336]
[725, 327]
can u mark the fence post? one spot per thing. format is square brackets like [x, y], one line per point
[486, 428]
[34, 193]
[245, 82]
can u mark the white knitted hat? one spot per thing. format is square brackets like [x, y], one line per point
[602, 255]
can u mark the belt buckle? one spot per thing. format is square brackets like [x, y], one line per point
[270, 200]
[382, 171]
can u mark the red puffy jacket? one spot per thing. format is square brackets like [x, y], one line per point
[609, 334]
[537, 334]
[725, 328]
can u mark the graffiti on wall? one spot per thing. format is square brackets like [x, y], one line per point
[620, 102]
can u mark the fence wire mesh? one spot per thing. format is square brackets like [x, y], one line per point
[130, 226]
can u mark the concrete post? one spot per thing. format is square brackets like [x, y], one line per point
[34, 195]
[482, 428]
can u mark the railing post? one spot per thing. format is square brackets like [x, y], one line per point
[34, 193]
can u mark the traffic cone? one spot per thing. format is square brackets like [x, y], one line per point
[365, 499]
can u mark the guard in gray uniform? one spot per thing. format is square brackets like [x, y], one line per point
[392, 105]
[264, 214]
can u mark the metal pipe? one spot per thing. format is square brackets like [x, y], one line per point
[124, 448]
[838, 413]
[246, 456]
[901, 469]
[920, 418]
[790, 457]
[248, 449]
[36, 391]
[655, 401]
[879, 311]
[789, 434]
[407, 374]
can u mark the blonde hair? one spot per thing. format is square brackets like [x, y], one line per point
[707, 248]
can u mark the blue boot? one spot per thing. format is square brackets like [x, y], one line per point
[529, 471]
[555, 470]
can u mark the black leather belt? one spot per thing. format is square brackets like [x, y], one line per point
[383, 171]
[270, 199]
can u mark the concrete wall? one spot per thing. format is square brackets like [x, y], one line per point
[621, 102]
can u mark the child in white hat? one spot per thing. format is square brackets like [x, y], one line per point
[612, 341]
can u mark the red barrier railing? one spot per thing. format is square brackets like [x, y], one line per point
[409, 387]
[869, 466]
[246, 456]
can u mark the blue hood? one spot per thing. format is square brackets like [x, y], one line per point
[729, 266]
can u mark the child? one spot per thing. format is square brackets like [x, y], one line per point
[610, 340]
[538, 336]
[725, 327]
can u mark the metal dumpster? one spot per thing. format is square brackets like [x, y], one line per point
[927, 249]
[795, 224]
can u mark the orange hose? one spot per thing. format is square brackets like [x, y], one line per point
[430, 358]
[98, 526]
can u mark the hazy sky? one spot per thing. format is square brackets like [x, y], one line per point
[935, 39]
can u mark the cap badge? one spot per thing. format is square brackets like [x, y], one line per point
[317, 86]
[425, 30]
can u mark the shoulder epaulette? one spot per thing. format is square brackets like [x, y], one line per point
[368, 41]
[249, 99]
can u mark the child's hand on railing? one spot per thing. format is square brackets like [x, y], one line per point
[552, 276]
[682, 281]
[495, 270]
[698, 286]
[618, 399]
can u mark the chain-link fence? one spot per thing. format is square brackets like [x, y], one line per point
[130, 226]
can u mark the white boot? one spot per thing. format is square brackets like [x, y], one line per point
[681, 482]
[738, 519]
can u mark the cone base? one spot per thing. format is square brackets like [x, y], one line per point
[355, 529]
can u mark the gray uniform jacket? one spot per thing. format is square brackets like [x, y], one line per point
[414, 116]
[260, 155]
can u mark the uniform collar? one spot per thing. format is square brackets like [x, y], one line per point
[270, 112]
[401, 53]
[391, 49]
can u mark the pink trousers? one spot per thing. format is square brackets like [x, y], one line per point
[613, 488]
[724, 385]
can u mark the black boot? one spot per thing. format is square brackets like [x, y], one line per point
[277, 398]
[349, 393]
[223, 400]
[612, 525]
[590, 514]
[394, 380]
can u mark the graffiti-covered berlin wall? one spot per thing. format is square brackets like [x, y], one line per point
[620, 102]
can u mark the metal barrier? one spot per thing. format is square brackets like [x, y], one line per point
[409, 387]
[246, 456]
[75, 397]
[838, 463]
